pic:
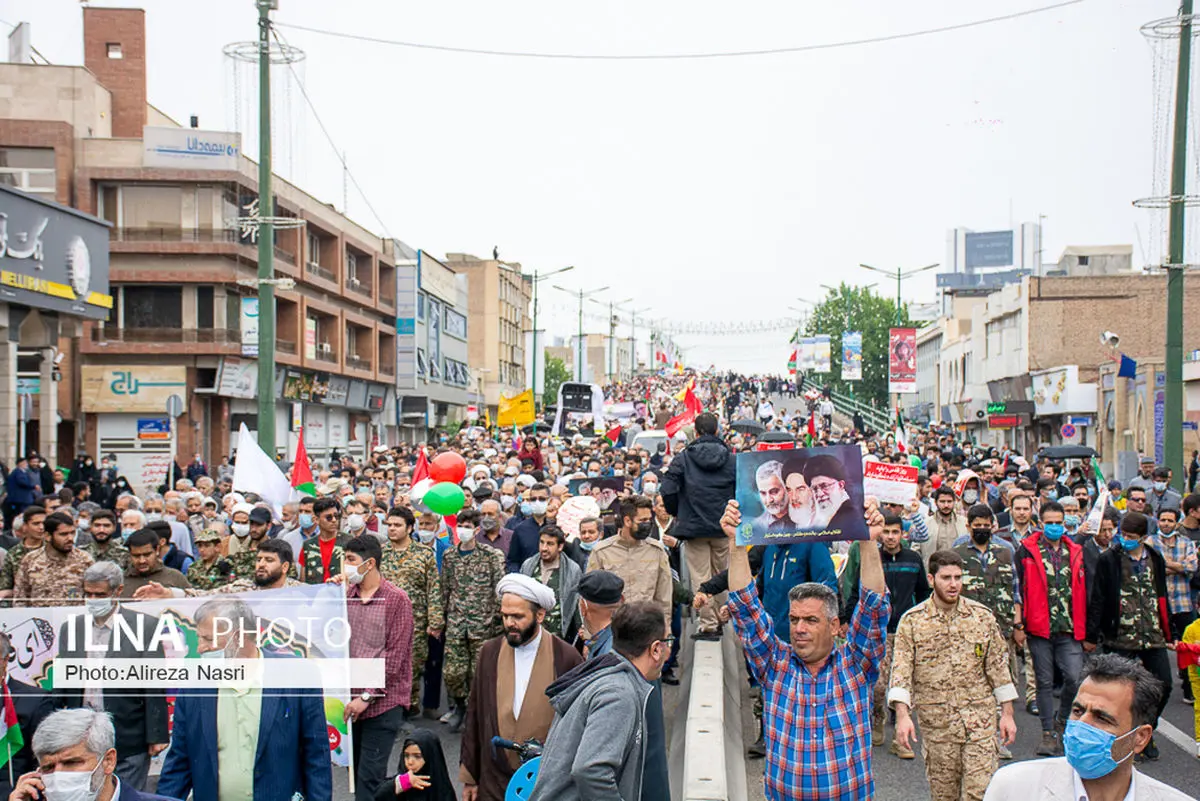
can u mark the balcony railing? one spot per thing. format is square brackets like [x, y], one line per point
[357, 362]
[387, 297]
[359, 288]
[319, 271]
[285, 255]
[173, 235]
[387, 369]
[216, 336]
[325, 355]
[285, 346]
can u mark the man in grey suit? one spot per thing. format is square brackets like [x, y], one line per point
[1111, 721]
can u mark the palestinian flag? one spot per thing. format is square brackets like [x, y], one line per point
[901, 440]
[613, 435]
[10, 732]
[792, 362]
[302, 477]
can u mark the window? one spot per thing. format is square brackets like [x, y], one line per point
[152, 209]
[456, 324]
[204, 307]
[114, 50]
[351, 268]
[30, 169]
[420, 306]
[1083, 261]
[156, 306]
[314, 248]
[421, 370]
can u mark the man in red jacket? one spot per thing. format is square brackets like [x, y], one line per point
[1054, 595]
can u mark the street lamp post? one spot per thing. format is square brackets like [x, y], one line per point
[612, 329]
[579, 346]
[899, 275]
[536, 279]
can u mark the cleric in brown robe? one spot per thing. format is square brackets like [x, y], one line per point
[508, 695]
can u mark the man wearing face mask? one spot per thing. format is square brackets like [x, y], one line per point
[139, 717]
[1128, 607]
[470, 573]
[303, 527]
[381, 625]
[524, 542]
[412, 566]
[258, 524]
[1111, 721]
[77, 759]
[239, 527]
[1055, 607]
[105, 545]
[641, 562]
[1160, 495]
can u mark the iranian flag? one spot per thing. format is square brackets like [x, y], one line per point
[613, 435]
[421, 470]
[12, 737]
[901, 440]
[811, 436]
[302, 478]
[792, 363]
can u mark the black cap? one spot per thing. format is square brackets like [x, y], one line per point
[260, 515]
[601, 587]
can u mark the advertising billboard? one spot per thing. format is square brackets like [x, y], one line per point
[902, 360]
[989, 249]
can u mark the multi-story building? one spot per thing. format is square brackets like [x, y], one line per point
[498, 301]
[443, 382]
[184, 262]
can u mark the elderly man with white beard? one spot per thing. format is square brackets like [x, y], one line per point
[773, 495]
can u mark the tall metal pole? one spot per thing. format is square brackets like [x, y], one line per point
[612, 335]
[266, 240]
[897, 297]
[1173, 419]
[534, 356]
[579, 342]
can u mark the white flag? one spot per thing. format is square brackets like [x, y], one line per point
[1092, 524]
[256, 472]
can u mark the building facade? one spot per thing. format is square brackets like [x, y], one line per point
[499, 304]
[181, 203]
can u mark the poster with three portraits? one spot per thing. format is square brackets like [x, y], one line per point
[801, 495]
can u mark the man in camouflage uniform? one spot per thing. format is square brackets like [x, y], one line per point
[990, 578]
[32, 536]
[245, 562]
[53, 575]
[470, 573]
[951, 668]
[412, 567]
[270, 573]
[312, 564]
[210, 570]
[106, 546]
[1127, 607]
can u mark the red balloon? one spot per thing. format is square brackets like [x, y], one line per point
[448, 466]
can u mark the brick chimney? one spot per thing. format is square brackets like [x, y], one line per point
[114, 49]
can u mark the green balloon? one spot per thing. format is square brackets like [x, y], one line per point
[444, 498]
[915, 461]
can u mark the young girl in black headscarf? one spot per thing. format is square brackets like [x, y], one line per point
[422, 772]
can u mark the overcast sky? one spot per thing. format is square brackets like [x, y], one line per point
[715, 190]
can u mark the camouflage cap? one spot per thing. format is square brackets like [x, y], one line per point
[209, 535]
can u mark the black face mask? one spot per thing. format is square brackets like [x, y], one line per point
[981, 535]
[642, 530]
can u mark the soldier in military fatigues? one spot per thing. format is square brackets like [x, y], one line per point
[990, 578]
[951, 668]
[32, 536]
[1127, 606]
[211, 570]
[470, 574]
[53, 574]
[106, 546]
[412, 567]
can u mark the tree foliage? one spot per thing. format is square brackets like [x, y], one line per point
[556, 373]
[853, 308]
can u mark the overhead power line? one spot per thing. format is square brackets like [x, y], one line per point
[771, 51]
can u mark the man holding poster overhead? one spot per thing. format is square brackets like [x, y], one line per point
[814, 692]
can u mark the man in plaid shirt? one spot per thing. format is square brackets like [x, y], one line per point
[816, 698]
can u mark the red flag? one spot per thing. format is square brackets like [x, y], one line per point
[613, 435]
[691, 408]
[421, 471]
[302, 477]
[812, 429]
[452, 527]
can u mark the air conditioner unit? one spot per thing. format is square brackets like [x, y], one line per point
[313, 266]
[352, 281]
[325, 348]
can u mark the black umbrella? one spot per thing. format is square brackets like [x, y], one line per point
[752, 427]
[1069, 452]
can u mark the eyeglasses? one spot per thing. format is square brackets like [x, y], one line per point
[667, 640]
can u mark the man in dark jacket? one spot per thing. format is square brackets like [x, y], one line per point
[695, 489]
[22, 488]
[598, 746]
[1128, 606]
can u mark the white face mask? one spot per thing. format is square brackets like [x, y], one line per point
[354, 574]
[241, 529]
[153, 517]
[466, 534]
[355, 522]
[507, 502]
[649, 489]
[426, 536]
[73, 785]
[98, 607]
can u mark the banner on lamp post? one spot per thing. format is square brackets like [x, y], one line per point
[852, 356]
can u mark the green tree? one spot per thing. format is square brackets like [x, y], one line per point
[851, 308]
[556, 373]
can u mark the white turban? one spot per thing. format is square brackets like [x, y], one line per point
[242, 507]
[528, 588]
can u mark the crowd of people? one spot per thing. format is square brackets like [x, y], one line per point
[552, 608]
